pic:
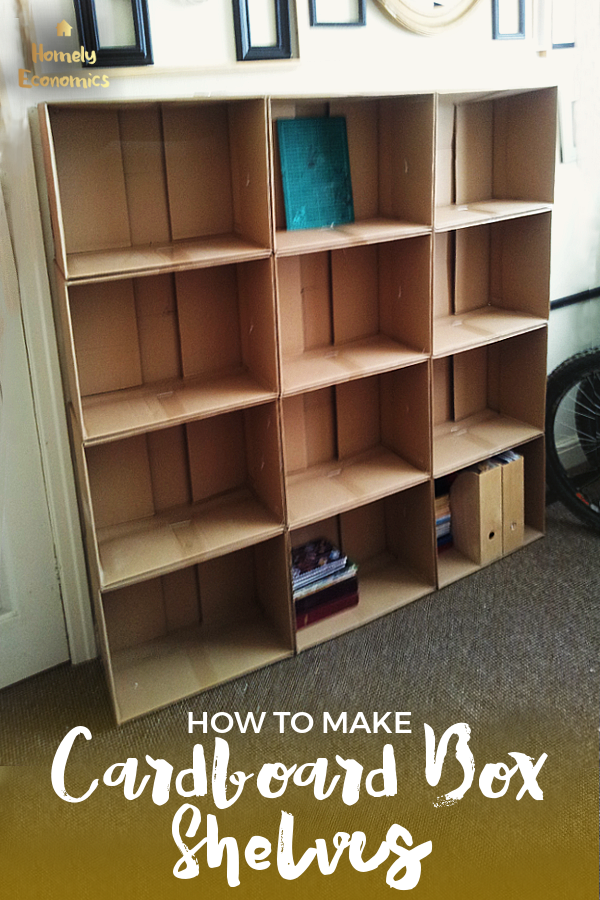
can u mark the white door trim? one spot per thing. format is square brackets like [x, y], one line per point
[23, 209]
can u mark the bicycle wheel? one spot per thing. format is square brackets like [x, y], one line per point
[573, 435]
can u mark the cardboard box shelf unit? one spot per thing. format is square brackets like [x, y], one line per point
[235, 388]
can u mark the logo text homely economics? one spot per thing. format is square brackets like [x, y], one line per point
[28, 80]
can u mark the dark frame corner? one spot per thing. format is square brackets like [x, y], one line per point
[496, 33]
[244, 48]
[138, 54]
[361, 18]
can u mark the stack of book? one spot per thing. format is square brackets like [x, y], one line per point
[443, 521]
[324, 581]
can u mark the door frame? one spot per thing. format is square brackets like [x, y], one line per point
[25, 224]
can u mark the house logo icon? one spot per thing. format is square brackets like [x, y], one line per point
[63, 29]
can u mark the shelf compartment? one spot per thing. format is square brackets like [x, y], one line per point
[490, 163]
[182, 633]
[390, 142]
[145, 353]
[480, 407]
[490, 282]
[349, 313]
[458, 561]
[158, 186]
[356, 442]
[166, 499]
[391, 540]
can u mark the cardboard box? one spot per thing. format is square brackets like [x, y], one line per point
[490, 282]
[480, 407]
[390, 144]
[186, 631]
[392, 542]
[144, 353]
[491, 163]
[349, 313]
[169, 498]
[356, 442]
[156, 187]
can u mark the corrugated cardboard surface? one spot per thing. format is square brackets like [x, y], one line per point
[477, 518]
[513, 505]
[90, 178]
[144, 174]
[196, 141]
[156, 313]
[106, 337]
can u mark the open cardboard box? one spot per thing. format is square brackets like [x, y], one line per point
[390, 143]
[487, 400]
[189, 630]
[391, 540]
[348, 313]
[163, 500]
[491, 162]
[147, 352]
[347, 445]
[156, 187]
[490, 282]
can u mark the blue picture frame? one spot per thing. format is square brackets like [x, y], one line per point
[497, 32]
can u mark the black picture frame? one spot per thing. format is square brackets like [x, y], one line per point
[138, 54]
[245, 49]
[499, 35]
[361, 17]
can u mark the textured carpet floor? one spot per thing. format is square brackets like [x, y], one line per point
[513, 651]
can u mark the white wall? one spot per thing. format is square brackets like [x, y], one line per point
[197, 37]
[195, 56]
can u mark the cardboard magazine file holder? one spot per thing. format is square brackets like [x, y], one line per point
[170, 498]
[480, 406]
[143, 353]
[477, 513]
[356, 442]
[156, 186]
[345, 314]
[392, 542]
[175, 635]
[513, 504]
[490, 282]
[494, 511]
[390, 145]
[495, 156]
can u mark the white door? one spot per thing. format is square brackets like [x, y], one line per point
[32, 627]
